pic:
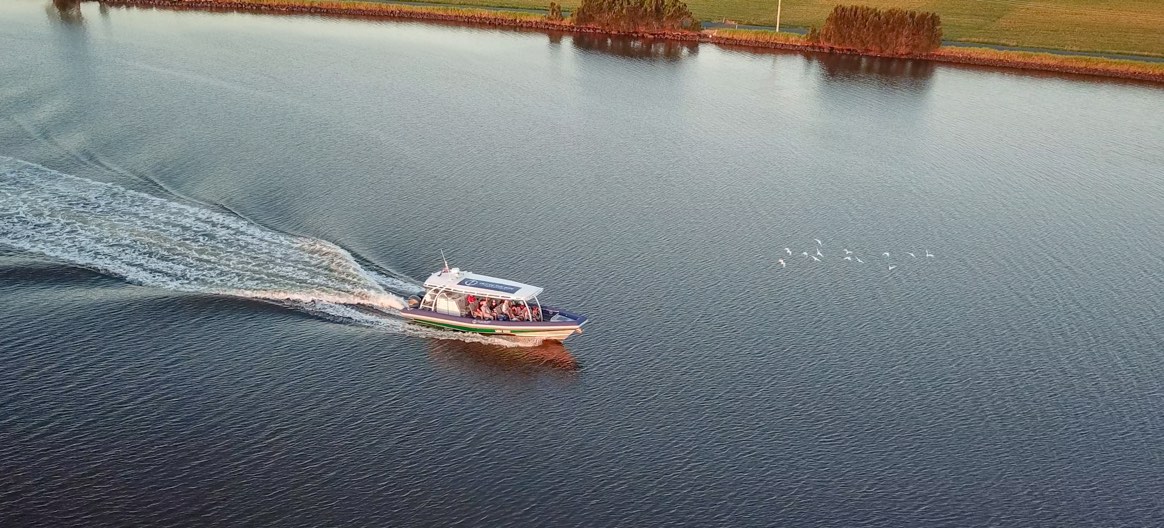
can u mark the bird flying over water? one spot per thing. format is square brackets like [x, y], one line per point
[816, 259]
[805, 253]
[891, 268]
[818, 242]
[886, 254]
[859, 260]
[789, 251]
[849, 259]
[818, 253]
[781, 261]
[928, 254]
[910, 254]
[847, 252]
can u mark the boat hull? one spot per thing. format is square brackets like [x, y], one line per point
[551, 330]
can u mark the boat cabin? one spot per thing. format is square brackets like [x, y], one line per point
[460, 293]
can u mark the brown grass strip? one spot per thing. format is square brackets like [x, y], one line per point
[1125, 69]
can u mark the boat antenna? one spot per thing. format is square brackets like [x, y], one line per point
[445, 260]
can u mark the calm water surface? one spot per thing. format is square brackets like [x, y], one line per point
[1016, 378]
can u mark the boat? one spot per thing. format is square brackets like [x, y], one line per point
[452, 299]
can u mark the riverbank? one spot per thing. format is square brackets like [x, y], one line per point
[1119, 27]
[745, 38]
[1082, 65]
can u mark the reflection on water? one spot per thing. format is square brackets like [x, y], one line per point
[522, 361]
[65, 12]
[635, 48]
[839, 66]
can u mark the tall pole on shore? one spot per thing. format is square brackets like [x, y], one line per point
[778, 2]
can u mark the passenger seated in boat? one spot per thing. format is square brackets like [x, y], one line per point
[470, 306]
[517, 312]
[483, 312]
[501, 311]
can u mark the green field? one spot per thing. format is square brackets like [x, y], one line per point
[1114, 26]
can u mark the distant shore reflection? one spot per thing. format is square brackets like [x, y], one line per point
[66, 12]
[634, 48]
[841, 66]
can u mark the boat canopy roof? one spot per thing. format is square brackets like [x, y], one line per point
[464, 282]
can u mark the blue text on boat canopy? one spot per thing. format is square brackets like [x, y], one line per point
[478, 283]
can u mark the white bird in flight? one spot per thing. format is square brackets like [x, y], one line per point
[818, 242]
[859, 260]
[928, 254]
[818, 253]
[781, 261]
[886, 254]
[891, 268]
[910, 254]
[849, 258]
[805, 253]
[816, 259]
[789, 251]
[847, 252]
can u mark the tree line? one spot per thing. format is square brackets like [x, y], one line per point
[892, 32]
[636, 15]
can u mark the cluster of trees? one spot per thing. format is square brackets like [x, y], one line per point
[636, 15]
[891, 32]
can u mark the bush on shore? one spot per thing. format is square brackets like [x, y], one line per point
[890, 32]
[554, 14]
[636, 15]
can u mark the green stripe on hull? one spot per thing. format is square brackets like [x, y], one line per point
[470, 329]
[457, 327]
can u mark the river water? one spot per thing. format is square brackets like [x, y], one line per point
[192, 204]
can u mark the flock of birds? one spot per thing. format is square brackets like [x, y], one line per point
[849, 256]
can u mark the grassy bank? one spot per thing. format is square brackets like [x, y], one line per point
[732, 37]
[1110, 26]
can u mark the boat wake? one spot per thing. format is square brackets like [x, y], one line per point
[151, 241]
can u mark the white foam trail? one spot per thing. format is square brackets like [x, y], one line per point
[400, 285]
[155, 242]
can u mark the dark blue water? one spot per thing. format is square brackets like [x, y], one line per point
[191, 206]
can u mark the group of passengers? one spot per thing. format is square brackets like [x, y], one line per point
[495, 310]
